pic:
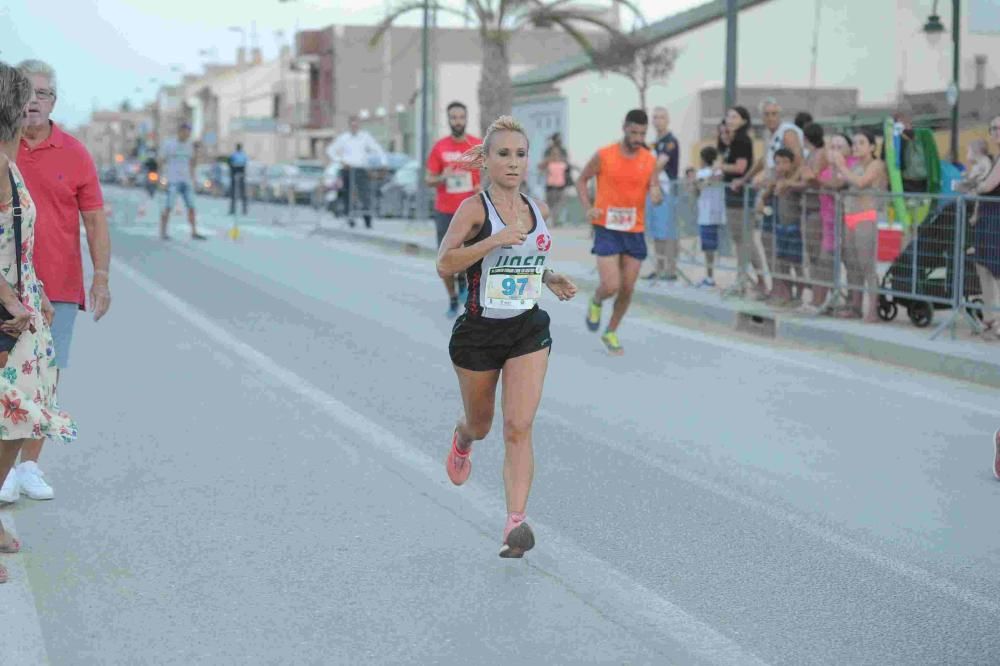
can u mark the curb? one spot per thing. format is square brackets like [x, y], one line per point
[923, 355]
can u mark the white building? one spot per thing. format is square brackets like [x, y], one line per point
[252, 102]
[876, 47]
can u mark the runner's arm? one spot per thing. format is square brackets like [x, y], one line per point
[590, 171]
[453, 256]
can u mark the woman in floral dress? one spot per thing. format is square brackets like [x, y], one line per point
[28, 408]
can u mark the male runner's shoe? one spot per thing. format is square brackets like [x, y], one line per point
[452, 308]
[610, 340]
[458, 464]
[463, 290]
[594, 316]
[996, 454]
[517, 536]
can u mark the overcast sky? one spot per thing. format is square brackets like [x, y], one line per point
[104, 50]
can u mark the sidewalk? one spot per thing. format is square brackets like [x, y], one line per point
[899, 342]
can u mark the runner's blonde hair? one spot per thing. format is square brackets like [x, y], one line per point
[475, 157]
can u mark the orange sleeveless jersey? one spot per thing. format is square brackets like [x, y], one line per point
[622, 186]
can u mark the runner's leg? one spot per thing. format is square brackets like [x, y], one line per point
[629, 272]
[523, 377]
[479, 389]
[609, 271]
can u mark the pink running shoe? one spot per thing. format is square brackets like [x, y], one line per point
[458, 463]
[996, 454]
[517, 536]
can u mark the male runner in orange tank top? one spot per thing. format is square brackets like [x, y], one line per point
[626, 172]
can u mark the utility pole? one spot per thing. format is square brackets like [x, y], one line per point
[956, 34]
[424, 93]
[732, 11]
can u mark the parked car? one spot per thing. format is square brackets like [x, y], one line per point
[398, 196]
[306, 183]
[276, 181]
[256, 177]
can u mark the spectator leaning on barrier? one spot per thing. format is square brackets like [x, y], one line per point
[737, 156]
[354, 150]
[986, 238]
[663, 217]
[780, 191]
[777, 134]
[62, 179]
[813, 235]
[555, 167]
[862, 211]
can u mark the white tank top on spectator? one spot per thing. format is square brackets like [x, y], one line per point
[508, 280]
[177, 156]
[776, 141]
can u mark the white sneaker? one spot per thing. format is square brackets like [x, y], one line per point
[32, 481]
[11, 488]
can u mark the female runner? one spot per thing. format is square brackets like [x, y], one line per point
[500, 239]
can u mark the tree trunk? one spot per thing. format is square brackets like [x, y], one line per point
[642, 99]
[495, 94]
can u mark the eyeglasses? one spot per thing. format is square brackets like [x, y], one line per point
[45, 95]
[994, 128]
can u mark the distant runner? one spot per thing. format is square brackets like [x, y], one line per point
[454, 185]
[626, 172]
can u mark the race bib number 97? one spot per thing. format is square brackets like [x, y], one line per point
[458, 183]
[620, 219]
[514, 287]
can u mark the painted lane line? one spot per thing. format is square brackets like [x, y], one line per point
[567, 561]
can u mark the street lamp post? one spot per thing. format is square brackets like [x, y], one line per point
[424, 92]
[934, 29]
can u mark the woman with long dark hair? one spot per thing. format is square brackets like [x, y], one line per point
[737, 156]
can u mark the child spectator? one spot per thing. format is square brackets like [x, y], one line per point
[780, 190]
[711, 207]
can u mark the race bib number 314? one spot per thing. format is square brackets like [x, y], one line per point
[514, 287]
[620, 219]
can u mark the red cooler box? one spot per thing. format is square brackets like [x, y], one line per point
[890, 241]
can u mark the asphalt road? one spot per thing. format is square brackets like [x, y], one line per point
[259, 480]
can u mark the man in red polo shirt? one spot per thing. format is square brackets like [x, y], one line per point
[453, 185]
[61, 177]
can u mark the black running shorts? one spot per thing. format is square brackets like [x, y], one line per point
[486, 344]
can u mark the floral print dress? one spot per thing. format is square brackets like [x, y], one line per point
[28, 408]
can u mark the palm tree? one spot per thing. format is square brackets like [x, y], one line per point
[497, 20]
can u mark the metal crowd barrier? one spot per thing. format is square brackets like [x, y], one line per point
[917, 253]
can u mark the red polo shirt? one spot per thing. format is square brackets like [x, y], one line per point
[62, 180]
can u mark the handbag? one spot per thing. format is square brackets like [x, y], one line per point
[8, 341]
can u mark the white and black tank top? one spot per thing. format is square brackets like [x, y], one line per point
[508, 280]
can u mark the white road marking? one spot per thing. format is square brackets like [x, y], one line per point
[22, 641]
[567, 561]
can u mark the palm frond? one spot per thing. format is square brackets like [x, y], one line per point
[391, 17]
